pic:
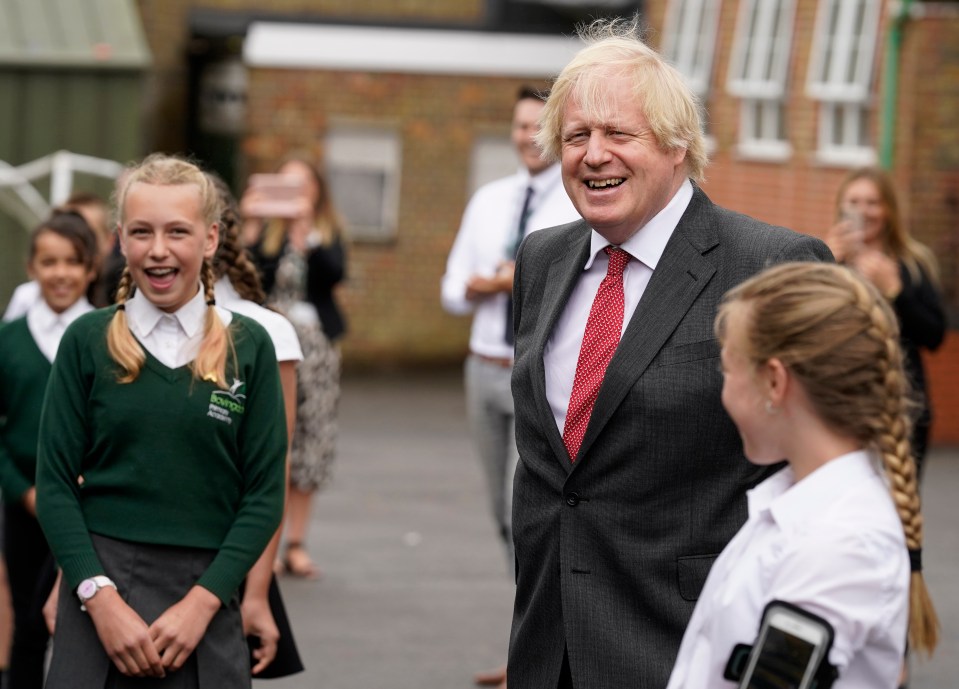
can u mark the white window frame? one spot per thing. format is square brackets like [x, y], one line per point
[758, 73]
[358, 149]
[841, 70]
[689, 40]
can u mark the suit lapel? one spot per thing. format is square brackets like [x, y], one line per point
[562, 275]
[680, 277]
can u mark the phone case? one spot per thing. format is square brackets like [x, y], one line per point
[826, 673]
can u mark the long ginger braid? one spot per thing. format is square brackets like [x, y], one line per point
[840, 339]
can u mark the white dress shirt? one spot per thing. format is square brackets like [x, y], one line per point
[483, 243]
[24, 296]
[173, 338]
[646, 247]
[832, 544]
[47, 326]
[280, 330]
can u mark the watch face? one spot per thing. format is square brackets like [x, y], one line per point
[87, 588]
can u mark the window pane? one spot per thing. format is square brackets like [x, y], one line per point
[689, 38]
[829, 41]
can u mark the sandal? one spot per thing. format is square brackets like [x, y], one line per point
[300, 565]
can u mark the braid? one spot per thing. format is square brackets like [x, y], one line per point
[891, 431]
[122, 346]
[231, 258]
[210, 361]
[245, 278]
[840, 339]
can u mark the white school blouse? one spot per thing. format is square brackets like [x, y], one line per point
[173, 338]
[280, 330]
[831, 544]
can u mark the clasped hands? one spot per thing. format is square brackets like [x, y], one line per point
[142, 650]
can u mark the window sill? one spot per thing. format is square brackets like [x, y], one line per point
[764, 151]
[845, 157]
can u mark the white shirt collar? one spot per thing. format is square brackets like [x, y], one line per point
[144, 316]
[542, 181]
[649, 242]
[791, 503]
[47, 327]
[45, 318]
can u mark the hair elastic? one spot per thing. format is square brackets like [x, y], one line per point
[915, 560]
[211, 302]
[121, 306]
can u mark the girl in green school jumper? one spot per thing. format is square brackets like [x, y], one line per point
[161, 459]
[61, 259]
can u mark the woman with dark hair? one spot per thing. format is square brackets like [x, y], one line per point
[298, 246]
[872, 238]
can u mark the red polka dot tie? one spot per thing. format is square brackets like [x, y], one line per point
[603, 329]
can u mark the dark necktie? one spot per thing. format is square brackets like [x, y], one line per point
[512, 250]
[603, 329]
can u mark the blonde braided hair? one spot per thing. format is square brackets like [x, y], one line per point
[840, 339]
[210, 361]
[123, 347]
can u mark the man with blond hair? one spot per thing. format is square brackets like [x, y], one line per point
[631, 477]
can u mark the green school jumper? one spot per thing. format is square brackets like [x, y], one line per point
[24, 371]
[166, 459]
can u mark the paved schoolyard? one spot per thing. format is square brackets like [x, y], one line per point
[415, 593]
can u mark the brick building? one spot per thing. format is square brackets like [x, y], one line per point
[408, 144]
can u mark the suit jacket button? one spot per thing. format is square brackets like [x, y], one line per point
[572, 499]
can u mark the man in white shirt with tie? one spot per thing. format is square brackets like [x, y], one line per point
[479, 280]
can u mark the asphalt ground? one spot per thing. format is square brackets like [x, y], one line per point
[415, 592]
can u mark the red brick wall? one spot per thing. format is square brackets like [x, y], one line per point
[392, 295]
[942, 370]
[800, 193]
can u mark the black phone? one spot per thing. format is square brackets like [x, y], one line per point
[791, 645]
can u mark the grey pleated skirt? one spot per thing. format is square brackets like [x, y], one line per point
[150, 578]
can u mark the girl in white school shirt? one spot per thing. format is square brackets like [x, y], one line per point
[171, 410]
[62, 255]
[813, 373]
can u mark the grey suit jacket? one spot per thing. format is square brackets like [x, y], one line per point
[612, 551]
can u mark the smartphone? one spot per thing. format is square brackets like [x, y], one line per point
[787, 653]
[275, 195]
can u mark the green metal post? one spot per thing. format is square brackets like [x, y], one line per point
[891, 85]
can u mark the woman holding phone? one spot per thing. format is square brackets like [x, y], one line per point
[874, 239]
[813, 374]
[296, 238]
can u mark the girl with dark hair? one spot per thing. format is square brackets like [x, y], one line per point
[62, 259]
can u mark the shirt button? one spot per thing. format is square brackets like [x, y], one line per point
[572, 499]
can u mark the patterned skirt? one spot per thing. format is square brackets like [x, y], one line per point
[318, 396]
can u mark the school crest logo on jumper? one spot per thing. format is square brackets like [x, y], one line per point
[224, 404]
